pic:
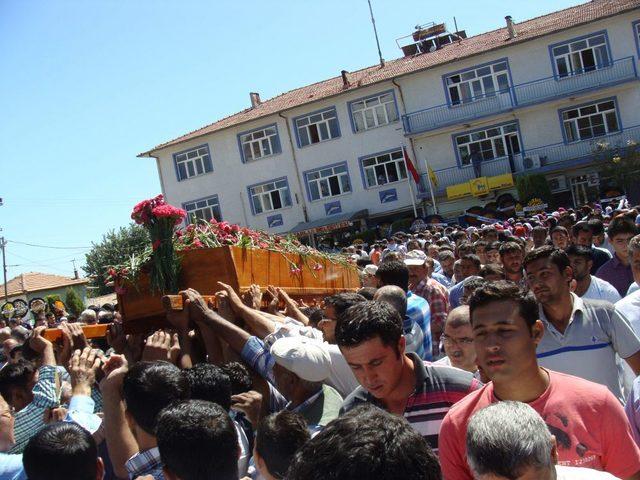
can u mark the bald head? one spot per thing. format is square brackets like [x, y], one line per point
[459, 317]
[394, 296]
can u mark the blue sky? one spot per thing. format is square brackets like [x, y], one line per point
[87, 85]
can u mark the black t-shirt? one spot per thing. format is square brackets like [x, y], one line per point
[599, 259]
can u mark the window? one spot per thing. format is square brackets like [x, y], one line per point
[204, 209]
[317, 127]
[580, 56]
[191, 163]
[272, 195]
[328, 182]
[476, 83]
[373, 112]
[494, 142]
[384, 168]
[590, 121]
[259, 143]
[636, 34]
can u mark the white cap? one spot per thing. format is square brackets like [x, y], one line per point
[370, 269]
[415, 257]
[305, 357]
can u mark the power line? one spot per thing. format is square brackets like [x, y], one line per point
[48, 246]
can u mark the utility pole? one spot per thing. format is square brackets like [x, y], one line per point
[4, 268]
[75, 270]
[375, 32]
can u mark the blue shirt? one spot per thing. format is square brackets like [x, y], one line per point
[11, 467]
[418, 312]
[441, 279]
[455, 294]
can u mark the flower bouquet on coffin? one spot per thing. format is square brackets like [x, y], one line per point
[161, 221]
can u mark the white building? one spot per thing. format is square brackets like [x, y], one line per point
[533, 97]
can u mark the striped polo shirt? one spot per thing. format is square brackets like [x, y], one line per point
[438, 387]
[587, 348]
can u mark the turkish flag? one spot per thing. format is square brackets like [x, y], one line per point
[410, 166]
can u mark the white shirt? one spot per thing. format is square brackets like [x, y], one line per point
[577, 473]
[601, 290]
[629, 306]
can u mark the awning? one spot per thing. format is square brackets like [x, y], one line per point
[328, 224]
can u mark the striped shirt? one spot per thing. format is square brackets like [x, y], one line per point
[438, 387]
[419, 313]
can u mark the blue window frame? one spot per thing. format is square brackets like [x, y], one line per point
[477, 82]
[259, 143]
[193, 162]
[489, 143]
[316, 127]
[382, 168]
[636, 35]
[581, 54]
[373, 111]
[203, 209]
[590, 120]
[269, 196]
[328, 181]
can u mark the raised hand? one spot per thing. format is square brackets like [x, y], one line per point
[161, 345]
[114, 369]
[82, 369]
[250, 403]
[234, 299]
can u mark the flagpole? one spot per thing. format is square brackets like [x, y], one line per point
[411, 171]
[428, 169]
[413, 197]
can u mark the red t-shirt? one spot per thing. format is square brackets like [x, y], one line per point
[589, 424]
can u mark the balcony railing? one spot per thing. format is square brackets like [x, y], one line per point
[553, 87]
[560, 154]
[521, 95]
[454, 175]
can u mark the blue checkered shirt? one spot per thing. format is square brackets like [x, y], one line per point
[146, 462]
[30, 420]
[418, 312]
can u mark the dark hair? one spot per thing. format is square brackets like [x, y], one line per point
[501, 291]
[368, 320]
[314, 314]
[472, 257]
[367, 292]
[342, 301]
[394, 272]
[581, 227]
[148, 387]
[197, 441]
[491, 269]
[363, 262]
[560, 229]
[61, 451]
[279, 437]
[481, 243]
[539, 228]
[558, 257]
[580, 251]
[209, 382]
[596, 226]
[15, 375]
[621, 224]
[366, 443]
[493, 246]
[239, 377]
[509, 247]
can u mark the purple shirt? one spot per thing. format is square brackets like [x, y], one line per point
[617, 274]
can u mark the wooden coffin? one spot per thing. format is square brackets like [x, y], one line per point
[238, 267]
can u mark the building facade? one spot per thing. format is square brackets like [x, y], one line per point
[534, 97]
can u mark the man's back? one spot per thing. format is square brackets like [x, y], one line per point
[588, 422]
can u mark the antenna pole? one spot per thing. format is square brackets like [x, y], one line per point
[375, 31]
[4, 268]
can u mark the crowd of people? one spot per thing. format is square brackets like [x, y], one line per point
[510, 350]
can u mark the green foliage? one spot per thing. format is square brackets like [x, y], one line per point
[402, 225]
[619, 164]
[115, 248]
[367, 236]
[51, 299]
[533, 186]
[73, 302]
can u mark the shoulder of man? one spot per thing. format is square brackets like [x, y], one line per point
[355, 398]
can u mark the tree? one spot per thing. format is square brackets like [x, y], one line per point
[116, 248]
[533, 186]
[619, 164]
[73, 302]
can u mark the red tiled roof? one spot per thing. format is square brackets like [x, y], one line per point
[36, 281]
[485, 42]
